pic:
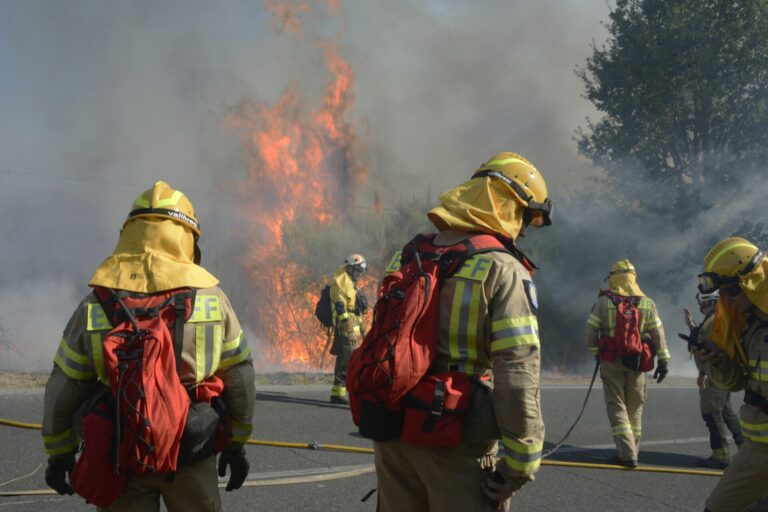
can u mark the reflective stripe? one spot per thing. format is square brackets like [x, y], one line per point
[594, 350]
[520, 456]
[97, 353]
[201, 336]
[611, 319]
[75, 366]
[207, 309]
[637, 431]
[474, 310]
[620, 430]
[140, 202]
[64, 442]
[234, 351]
[453, 325]
[356, 329]
[394, 263]
[342, 316]
[215, 356]
[664, 355]
[171, 201]
[506, 161]
[241, 432]
[97, 319]
[462, 334]
[757, 432]
[594, 321]
[513, 332]
[339, 390]
[760, 372]
[729, 247]
[207, 350]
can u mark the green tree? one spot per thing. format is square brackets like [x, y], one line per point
[683, 86]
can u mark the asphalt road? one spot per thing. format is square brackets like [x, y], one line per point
[673, 435]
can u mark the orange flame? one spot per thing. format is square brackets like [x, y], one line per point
[301, 168]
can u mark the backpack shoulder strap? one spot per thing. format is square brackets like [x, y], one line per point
[180, 305]
[111, 302]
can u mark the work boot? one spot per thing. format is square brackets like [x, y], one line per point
[616, 460]
[339, 400]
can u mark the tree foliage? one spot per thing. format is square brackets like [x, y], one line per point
[683, 86]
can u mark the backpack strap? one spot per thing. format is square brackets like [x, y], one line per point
[180, 305]
[111, 301]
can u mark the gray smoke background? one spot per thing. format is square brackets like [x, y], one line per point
[99, 99]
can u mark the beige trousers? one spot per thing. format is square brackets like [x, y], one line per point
[745, 480]
[625, 394]
[418, 479]
[193, 489]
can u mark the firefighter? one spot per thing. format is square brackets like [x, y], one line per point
[739, 271]
[157, 251]
[487, 328]
[623, 377]
[349, 305]
[714, 402]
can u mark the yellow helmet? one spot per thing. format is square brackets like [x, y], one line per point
[165, 202]
[525, 180]
[727, 261]
[622, 267]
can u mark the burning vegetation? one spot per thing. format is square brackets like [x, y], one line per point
[302, 170]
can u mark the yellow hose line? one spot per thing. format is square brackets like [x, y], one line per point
[646, 469]
[19, 424]
[357, 449]
[312, 446]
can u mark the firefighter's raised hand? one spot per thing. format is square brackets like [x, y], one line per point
[689, 321]
[59, 467]
[237, 461]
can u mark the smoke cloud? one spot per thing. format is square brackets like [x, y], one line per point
[101, 99]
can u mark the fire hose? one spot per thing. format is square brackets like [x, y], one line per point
[369, 468]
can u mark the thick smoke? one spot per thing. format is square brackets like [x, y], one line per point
[100, 99]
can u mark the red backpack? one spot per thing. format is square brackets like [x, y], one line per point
[626, 343]
[397, 352]
[145, 416]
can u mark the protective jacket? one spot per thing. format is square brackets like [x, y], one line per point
[488, 329]
[346, 319]
[602, 322]
[213, 345]
[750, 375]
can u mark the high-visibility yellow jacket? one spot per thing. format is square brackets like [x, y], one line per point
[213, 345]
[602, 322]
[751, 375]
[347, 323]
[488, 328]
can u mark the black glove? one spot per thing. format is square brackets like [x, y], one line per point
[361, 304]
[59, 467]
[661, 371]
[238, 466]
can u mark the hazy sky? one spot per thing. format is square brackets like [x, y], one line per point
[98, 99]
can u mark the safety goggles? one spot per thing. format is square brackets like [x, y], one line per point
[540, 213]
[710, 282]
